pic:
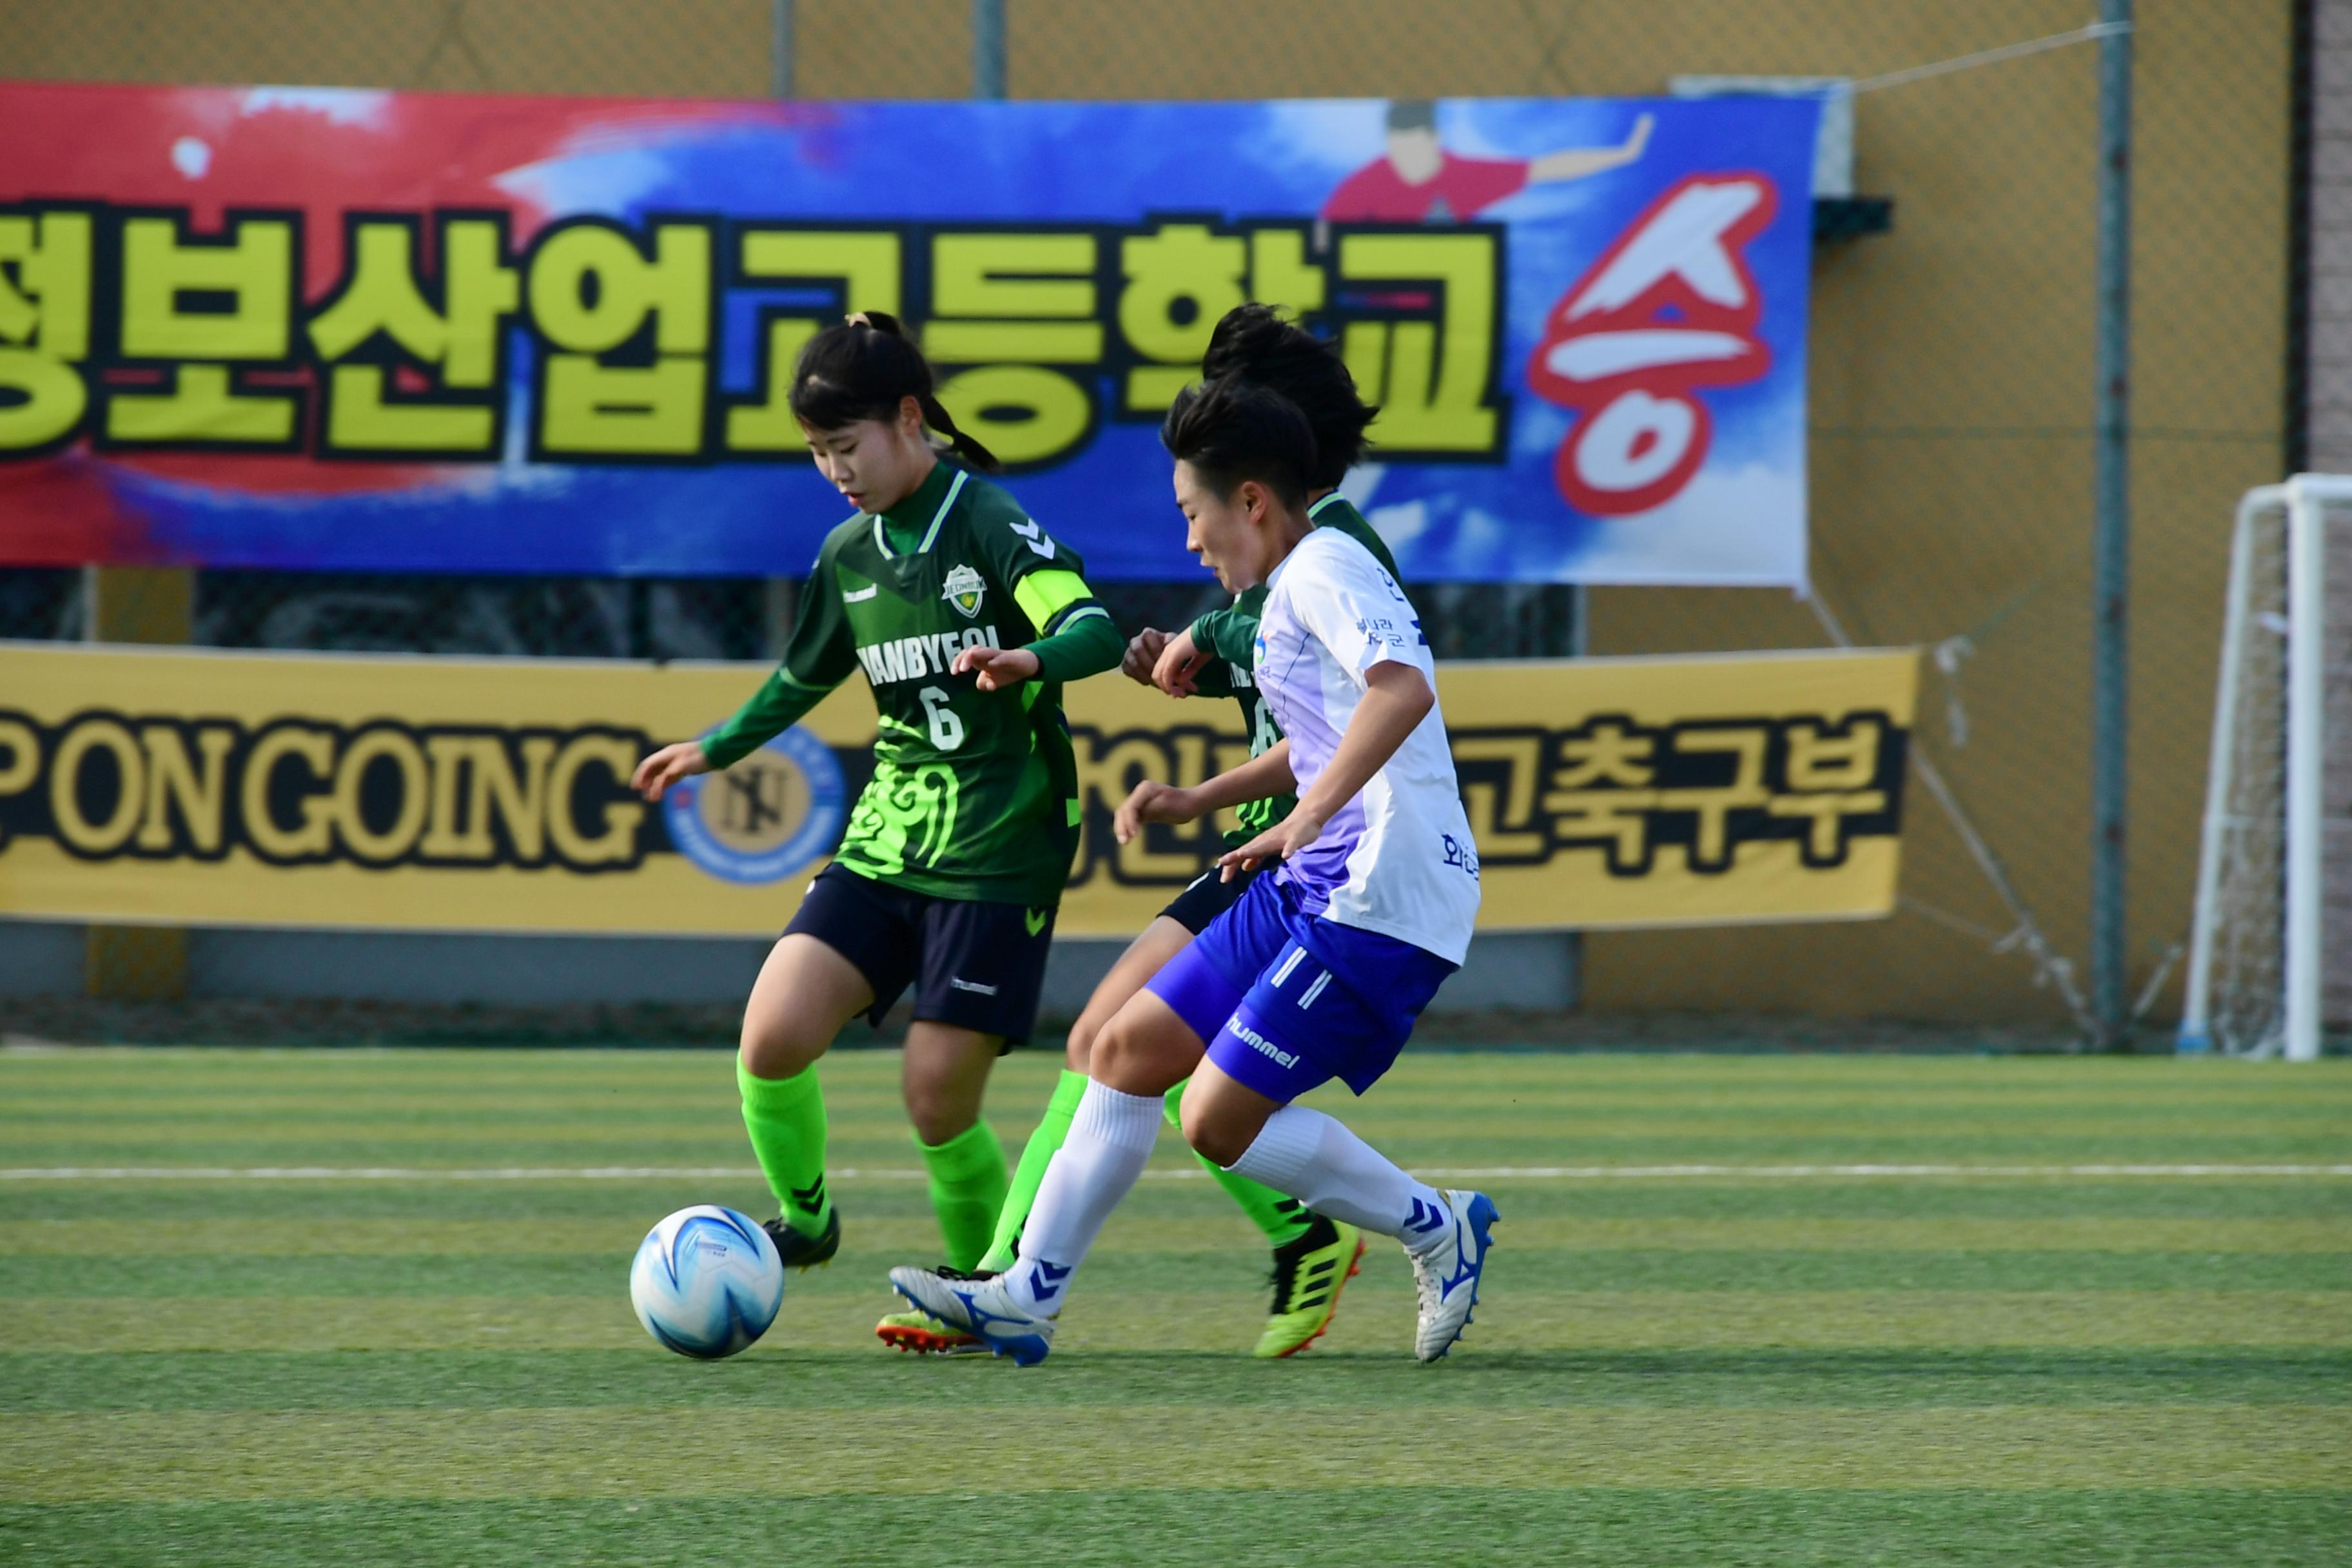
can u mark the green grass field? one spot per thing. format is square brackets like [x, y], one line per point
[356, 1308]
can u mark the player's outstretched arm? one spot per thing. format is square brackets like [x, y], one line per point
[1576, 163]
[1265, 774]
[1397, 697]
[1182, 660]
[1079, 640]
[1209, 677]
[1142, 654]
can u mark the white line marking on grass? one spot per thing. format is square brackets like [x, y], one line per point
[853, 1174]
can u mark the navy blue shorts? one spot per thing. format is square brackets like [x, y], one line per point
[976, 965]
[1285, 1000]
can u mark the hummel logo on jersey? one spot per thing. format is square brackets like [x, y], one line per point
[1036, 918]
[1035, 538]
[956, 983]
[964, 590]
[1260, 1044]
[919, 658]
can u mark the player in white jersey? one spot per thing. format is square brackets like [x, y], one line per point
[1319, 970]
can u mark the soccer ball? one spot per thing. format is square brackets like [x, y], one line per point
[707, 1281]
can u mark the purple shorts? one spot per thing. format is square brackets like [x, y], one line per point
[1285, 1000]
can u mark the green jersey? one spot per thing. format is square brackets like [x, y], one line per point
[1231, 634]
[974, 794]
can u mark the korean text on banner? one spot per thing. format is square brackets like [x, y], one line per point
[333, 330]
[417, 793]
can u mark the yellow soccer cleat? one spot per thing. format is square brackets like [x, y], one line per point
[1309, 1275]
[925, 1335]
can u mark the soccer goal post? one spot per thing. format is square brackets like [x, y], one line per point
[2270, 950]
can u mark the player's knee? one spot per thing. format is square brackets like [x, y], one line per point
[771, 1048]
[1078, 1051]
[1211, 1136]
[935, 1120]
[1113, 1054]
[938, 1106]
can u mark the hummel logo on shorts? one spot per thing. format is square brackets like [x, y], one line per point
[956, 983]
[1260, 1044]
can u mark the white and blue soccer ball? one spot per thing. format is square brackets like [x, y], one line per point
[707, 1281]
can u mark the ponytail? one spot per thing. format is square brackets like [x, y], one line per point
[863, 369]
[1256, 343]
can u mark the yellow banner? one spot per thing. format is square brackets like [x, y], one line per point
[198, 787]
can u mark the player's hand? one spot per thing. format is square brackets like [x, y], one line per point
[1143, 653]
[1180, 662]
[998, 668]
[671, 764]
[1151, 801]
[1284, 841]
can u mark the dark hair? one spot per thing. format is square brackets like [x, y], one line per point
[1413, 115]
[1232, 430]
[862, 369]
[1255, 343]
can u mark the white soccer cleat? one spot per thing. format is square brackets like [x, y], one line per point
[981, 1305]
[1446, 1273]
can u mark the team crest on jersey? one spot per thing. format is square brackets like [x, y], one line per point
[964, 590]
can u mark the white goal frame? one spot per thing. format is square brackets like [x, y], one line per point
[2303, 499]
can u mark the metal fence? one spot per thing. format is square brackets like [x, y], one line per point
[1959, 386]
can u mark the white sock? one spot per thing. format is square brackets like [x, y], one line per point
[1315, 1158]
[1110, 1138]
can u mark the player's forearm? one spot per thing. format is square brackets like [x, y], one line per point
[1261, 778]
[776, 707]
[1086, 644]
[1396, 699]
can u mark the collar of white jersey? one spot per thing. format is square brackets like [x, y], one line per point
[930, 534]
[1284, 564]
[1334, 499]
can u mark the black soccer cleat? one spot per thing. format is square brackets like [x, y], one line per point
[800, 1250]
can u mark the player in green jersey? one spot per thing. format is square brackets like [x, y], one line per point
[1313, 1257]
[966, 619]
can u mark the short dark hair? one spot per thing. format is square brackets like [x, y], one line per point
[863, 369]
[1232, 430]
[1256, 343]
[1413, 115]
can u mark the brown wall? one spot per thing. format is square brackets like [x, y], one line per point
[1951, 369]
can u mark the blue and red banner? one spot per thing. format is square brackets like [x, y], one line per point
[361, 330]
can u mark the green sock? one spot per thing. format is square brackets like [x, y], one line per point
[1284, 1219]
[966, 1189]
[1035, 1154]
[785, 1117]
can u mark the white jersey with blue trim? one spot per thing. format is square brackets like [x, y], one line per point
[1398, 859]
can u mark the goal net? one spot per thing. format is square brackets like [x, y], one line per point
[2270, 953]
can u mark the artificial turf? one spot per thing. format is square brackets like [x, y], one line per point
[434, 1362]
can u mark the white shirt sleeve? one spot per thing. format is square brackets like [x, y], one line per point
[1355, 609]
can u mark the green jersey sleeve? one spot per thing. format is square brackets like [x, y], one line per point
[1231, 631]
[1074, 633]
[818, 657]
